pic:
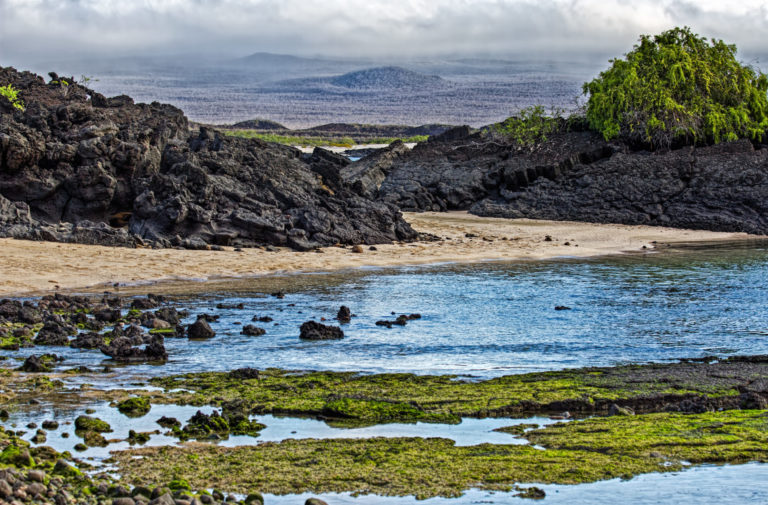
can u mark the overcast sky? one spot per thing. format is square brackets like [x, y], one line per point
[35, 30]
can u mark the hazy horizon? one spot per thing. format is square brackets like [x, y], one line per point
[35, 31]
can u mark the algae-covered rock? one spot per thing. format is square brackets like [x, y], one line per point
[137, 406]
[88, 423]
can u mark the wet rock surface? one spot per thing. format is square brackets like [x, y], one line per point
[79, 167]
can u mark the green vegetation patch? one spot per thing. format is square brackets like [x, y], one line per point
[12, 95]
[406, 397]
[296, 140]
[577, 452]
[675, 87]
[531, 126]
[734, 436]
[386, 466]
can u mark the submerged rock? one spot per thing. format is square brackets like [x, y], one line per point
[253, 331]
[344, 315]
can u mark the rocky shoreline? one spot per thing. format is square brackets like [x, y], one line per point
[78, 167]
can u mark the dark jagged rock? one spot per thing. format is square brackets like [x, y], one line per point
[121, 349]
[720, 188]
[55, 332]
[37, 364]
[244, 373]
[366, 175]
[89, 340]
[79, 167]
[575, 176]
[312, 330]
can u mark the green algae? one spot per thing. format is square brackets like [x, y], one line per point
[408, 397]
[733, 436]
[576, 452]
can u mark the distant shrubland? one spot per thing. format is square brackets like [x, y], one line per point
[303, 141]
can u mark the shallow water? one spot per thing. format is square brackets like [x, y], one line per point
[484, 320]
[468, 432]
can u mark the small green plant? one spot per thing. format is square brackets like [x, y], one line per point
[12, 95]
[677, 87]
[532, 125]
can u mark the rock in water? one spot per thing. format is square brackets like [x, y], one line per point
[253, 331]
[200, 330]
[312, 330]
[344, 315]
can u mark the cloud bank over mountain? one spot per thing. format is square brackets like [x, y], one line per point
[38, 29]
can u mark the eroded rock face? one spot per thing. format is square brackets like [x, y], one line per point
[720, 188]
[79, 167]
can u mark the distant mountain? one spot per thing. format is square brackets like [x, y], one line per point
[259, 124]
[386, 77]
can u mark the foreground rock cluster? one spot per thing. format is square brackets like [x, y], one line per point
[76, 166]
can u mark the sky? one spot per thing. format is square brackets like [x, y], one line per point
[37, 30]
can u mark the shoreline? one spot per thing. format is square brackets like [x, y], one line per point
[30, 268]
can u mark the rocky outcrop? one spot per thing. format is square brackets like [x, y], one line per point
[575, 176]
[76, 166]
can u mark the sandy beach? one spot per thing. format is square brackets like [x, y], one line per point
[28, 267]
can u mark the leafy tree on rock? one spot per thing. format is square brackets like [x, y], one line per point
[678, 88]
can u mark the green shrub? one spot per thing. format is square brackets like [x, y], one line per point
[12, 95]
[531, 126]
[678, 87]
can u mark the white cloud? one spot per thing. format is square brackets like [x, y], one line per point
[66, 28]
